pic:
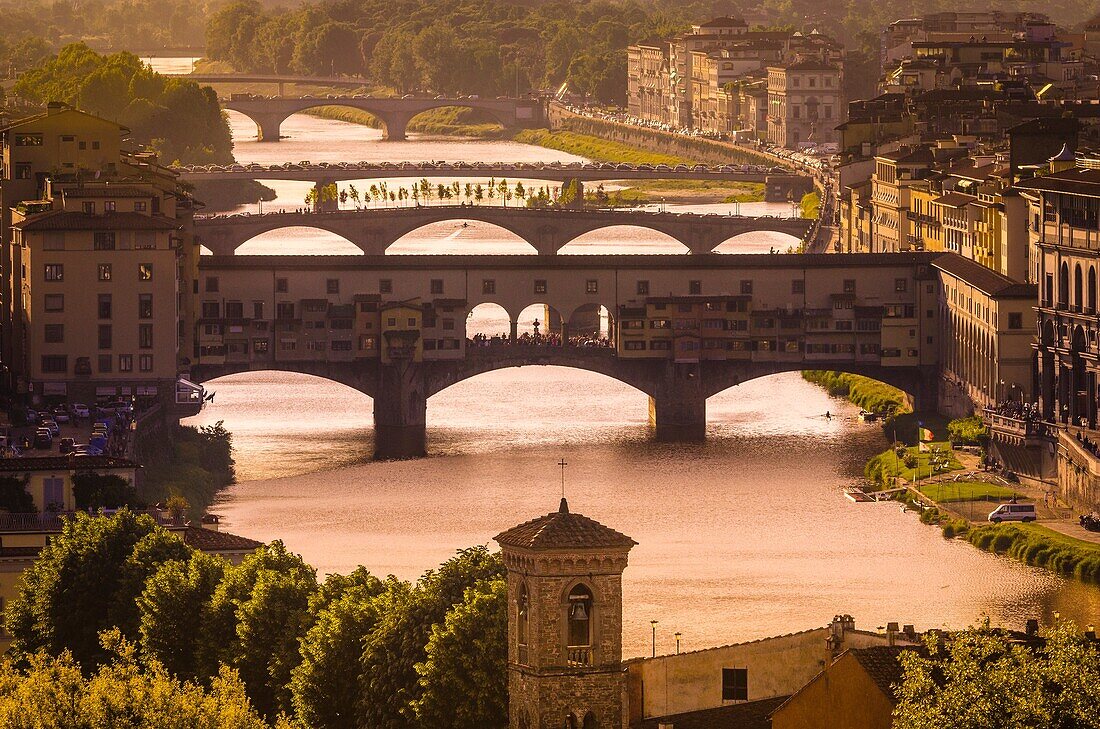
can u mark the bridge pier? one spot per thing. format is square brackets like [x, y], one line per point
[678, 411]
[400, 410]
[268, 126]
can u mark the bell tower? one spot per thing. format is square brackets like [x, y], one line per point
[565, 615]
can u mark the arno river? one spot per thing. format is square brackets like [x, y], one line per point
[745, 536]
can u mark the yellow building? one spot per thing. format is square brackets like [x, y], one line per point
[99, 304]
[853, 692]
[61, 140]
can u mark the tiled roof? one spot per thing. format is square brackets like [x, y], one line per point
[63, 463]
[749, 715]
[210, 540]
[1079, 181]
[61, 220]
[983, 278]
[563, 530]
[882, 665]
[726, 22]
[106, 191]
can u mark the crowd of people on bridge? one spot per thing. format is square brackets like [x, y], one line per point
[527, 339]
[1019, 410]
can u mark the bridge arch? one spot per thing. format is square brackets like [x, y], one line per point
[406, 243]
[759, 241]
[309, 241]
[616, 239]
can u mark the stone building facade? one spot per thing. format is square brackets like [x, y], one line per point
[565, 623]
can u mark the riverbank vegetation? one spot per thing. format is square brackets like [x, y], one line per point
[222, 195]
[910, 463]
[187, 462]
[174, 117]
[393, 653]
[868, 394]
[1039, 546]
[968, 431]
[810, 205]
[451, 121]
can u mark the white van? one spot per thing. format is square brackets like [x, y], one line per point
[1012, 512]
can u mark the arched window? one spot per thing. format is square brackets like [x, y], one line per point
[1091, 301]
[1063, 285]
[523, 621]
[571, 722]
[579, 617]
[590, 721]
[1078, 287]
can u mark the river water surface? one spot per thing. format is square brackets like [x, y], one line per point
[741, 537]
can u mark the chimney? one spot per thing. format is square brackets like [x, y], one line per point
[54, 107]
[891, 633]
[909, 631]
[1032, 627]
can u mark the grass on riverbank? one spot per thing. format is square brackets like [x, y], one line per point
[872, 395]
[1039, 546]
[908, 462]
[595, 148]
[956, 491]
[444, 121]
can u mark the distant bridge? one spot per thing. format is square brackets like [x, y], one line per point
[326, 316]
[546, 230]
[343, 82]
[593, 171]
[393, 113]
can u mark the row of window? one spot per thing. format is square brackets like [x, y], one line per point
[110, 206]
[55, 334]
[55, 303]
[104, 271]
[59, 363]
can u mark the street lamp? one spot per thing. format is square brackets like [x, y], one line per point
[678, 634]
[653, 624]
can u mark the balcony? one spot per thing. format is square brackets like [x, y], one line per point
[578, 657]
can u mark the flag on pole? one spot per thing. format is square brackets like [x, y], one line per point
[923, 447]
[924, 434]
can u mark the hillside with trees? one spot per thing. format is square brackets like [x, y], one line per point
[177, 118]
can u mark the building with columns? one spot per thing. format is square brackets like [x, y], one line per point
[565, 609]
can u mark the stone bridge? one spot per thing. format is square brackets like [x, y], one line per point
[546, 230]
[677, 392]
[394, 113]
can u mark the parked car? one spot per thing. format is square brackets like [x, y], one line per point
[66, 445]
[61, 414]
[87, 450]
[51, 425]
[1012, 512]
[80, 410]
[43, 439]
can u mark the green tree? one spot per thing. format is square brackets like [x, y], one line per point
[173, 611]
[979, 679]
[102, 491]
[87, 580]
[325, 685]
[257, 615]
[14, 497]
[459, 692]
[400, 639]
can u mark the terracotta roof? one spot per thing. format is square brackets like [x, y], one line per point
[210, 540]
[1079, 181]
[563, 530]
[63, 463]
[983, 278]
[882, 665]
[61, 220]
[726, 22]
[749, 715]
[107, 191]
